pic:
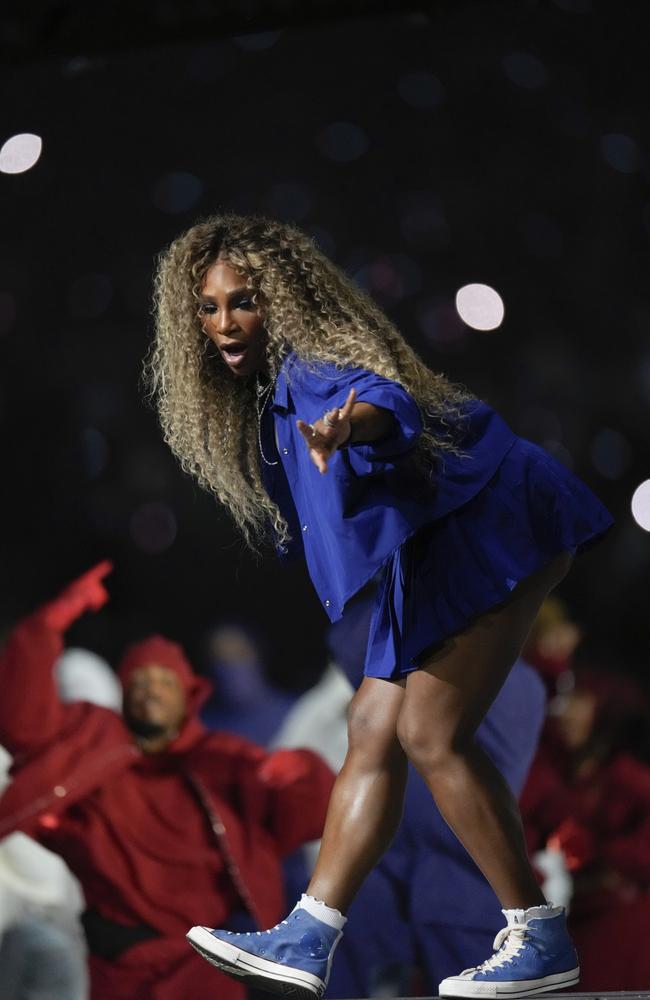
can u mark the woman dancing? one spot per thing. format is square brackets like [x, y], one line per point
[290, 395]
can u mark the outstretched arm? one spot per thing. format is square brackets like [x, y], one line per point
[30, 710]
[300, 784]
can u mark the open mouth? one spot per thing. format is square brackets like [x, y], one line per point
[234, 354]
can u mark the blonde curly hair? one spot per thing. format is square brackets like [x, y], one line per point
[309, 306]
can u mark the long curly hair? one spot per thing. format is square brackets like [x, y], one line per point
[309, 306]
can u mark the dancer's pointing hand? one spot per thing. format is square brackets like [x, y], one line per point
[328, 433]
[86, 593]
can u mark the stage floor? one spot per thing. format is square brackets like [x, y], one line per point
[570, 995]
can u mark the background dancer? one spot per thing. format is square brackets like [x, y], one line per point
[151, 811]
[286, 391]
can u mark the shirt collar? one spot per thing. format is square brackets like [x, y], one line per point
[281, 394]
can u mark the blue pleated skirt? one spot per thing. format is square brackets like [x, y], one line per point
[469, 560]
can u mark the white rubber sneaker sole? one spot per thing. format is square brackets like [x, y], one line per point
[259, 972]
[456, 986]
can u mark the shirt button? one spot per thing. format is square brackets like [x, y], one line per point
[305, 527]
[327, 603]
[285, 451]
[59, 791]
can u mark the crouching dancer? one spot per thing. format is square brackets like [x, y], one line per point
[160, 820]
[291, 396]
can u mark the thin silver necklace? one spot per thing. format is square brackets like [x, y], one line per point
[262, 396]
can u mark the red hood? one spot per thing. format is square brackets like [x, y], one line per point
[165, 653]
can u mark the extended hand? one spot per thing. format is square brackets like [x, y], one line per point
[283, 767]
[324, 436]
[86, 593]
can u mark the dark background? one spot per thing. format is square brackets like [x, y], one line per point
[425, 148]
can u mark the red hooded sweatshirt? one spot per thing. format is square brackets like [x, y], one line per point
[165, 840]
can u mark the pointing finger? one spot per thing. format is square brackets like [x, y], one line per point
[102, 569]
[346, 409]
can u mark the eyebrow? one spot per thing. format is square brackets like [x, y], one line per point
[235, 291]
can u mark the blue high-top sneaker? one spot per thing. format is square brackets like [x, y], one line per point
[533, 954]
[294, 957]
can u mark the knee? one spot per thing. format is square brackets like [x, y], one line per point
[371, 734]
[430, 746]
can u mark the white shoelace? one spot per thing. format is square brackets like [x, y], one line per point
[257, 933]
[507, 945]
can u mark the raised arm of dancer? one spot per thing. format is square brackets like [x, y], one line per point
[31, 712]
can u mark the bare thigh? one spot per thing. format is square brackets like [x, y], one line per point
[447, 698]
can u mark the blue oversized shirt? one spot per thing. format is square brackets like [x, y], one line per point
[349, 521]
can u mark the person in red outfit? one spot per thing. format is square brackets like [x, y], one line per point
[161, 820]
[588, 796]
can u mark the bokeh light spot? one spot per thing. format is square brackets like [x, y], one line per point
[525, 70]
[480, 306]
[153, 527]
[20, 153]
[641, 505]
[342, 142]
[620, 152]
[421, 90]
[177, 192]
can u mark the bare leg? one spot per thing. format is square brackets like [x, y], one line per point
[443, 706]
[366, 805]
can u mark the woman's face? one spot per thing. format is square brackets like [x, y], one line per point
[231, 320]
